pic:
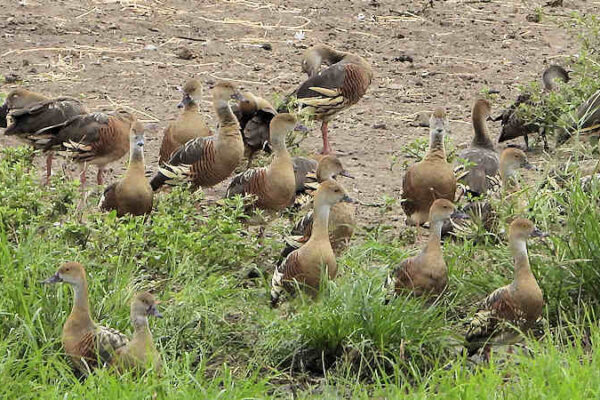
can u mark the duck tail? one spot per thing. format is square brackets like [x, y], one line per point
[170, 175]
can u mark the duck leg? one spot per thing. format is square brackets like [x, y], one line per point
[526, 138]
[324, 134]
[49, 166]
[100, 177]
[82, 177]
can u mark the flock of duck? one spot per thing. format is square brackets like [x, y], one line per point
[191, 153]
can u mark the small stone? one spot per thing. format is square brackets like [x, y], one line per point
[423, 118]
[11, 78]
[380, 126]
[403, 58]
[184, 53]
[150, 47]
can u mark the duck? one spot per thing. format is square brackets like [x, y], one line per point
[87, 344]
[304, 266]
[519, 303]
[305, 173]
[479, 212]
[133, 194]
[587, 119]
[513, 125]
[207, 161]
[481, 153]
[430, 179]
[189, 125]
[274, 186]
[254, 115]
[140, 353]
[342, 217]
[329, 91]
[30, 111]
[425, 273]
[95, 138]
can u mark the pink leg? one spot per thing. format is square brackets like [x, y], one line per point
[100, 176]
[324, 134]
[82, 176]
[49, 166]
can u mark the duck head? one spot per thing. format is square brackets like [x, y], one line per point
[330, 167]
[511, 160]
[279, 127]
[144, 304]
[522, 229]
[72, 273]
[192, 93]
[331, 192]
[441, 210]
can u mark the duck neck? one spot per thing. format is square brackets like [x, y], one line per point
[136, 159]
[519, 252]
[436, 146]
[81, 305]
[191, 107]
[481, 138]
[140, 325]
[281, 156]
[329, 55]
[226, 118]
[320, 229]
[508, 178]
[435, 234]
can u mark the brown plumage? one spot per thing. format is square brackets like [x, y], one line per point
[587, 120]
[254, 115]
[207, 161]
[431, 178]
[481, 153]
[305, 265]
[140, 353]
[132, 194]
[30, 112]
[188, 125]
[342, 219]
[519, 303]
[87, 344]
[274, 186]
[512, 124]
[425, 273]
[342, 84]
[95, 138]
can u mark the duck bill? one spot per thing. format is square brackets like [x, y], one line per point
[346, 174]
[539, 233]
[53, 279]
[527, 165]
[154, 312]
[185, 101]
[348, 199]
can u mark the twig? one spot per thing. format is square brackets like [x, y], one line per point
[191, 38]
[237, 80]
[89, 49]
[258, 24]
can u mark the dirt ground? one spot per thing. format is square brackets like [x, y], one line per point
[123, 53]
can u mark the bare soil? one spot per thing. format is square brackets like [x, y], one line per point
[129, 53]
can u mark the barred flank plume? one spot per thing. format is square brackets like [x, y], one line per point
[171, 175]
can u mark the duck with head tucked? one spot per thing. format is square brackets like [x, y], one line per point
[519, 304]
[306, 265]
[430, 179]
[254, 115]
[132, 194]
[30, 112]
[207, 161]
[87, 344]
[425, 273]
[513, 126]
[329, 91]
[189, 125]
[95, 138]
[273, 186]
[140, 353]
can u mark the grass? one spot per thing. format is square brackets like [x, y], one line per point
[220, 338]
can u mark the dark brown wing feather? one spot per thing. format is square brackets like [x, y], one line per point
[109, 201]
[43, 114]
[256, 131]
[167, 147]
[512, 125]
[248, 182]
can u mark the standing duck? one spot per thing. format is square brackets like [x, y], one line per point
[254, 115]
[95, 138]
[189, 125]
[431, 178]
[342, 84]
[304, 265]
[342, 219]
[31, 112]
[425, 273]
[519, 303]
[140, 353]
[132, 194]
[273, 186]
[481, 153]
[207, 161]
[512, 124]
[87, 344]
